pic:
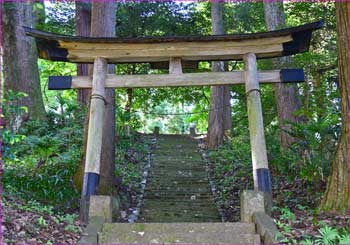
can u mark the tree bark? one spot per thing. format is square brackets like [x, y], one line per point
[220, 111]
[227, 108]
[82, 28]
[337, 195]
[103, 21]
[20, 58]
[128, 105]
[287, 96]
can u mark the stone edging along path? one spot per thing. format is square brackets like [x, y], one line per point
[146, 166]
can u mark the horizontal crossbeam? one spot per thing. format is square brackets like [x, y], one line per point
[176, 80]
[161, 49]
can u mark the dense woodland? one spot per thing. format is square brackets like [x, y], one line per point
[44, 133]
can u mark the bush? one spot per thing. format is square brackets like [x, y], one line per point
[41, 164]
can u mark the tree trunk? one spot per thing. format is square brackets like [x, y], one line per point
[129, 102]
[20, 59]
[82, 28]
[227, 108]
[287, 96]
[220, 111]
[337, 196]
[103, 21]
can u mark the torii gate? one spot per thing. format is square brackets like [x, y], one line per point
[178, 51]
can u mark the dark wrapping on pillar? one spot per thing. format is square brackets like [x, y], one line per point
[264, 180]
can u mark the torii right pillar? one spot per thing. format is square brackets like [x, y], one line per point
[261, 173]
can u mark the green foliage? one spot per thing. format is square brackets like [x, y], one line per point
[53, 99]
[130, 152]
[42, 222]
[329, 235]
[59, 17]
[155, 18]
[229, 165]
[35, 206]
[41, 166]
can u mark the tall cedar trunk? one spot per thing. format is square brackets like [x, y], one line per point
[82, 28]
[103, 21]
[129, 92]
[337, 196]
[287, 96]
[220, 111]
[20, 59]
[227, 108]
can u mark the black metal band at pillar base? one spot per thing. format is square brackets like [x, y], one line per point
[263, 179]
[90, 184]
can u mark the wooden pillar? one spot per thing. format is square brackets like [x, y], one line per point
[261, 173]
[94, 141]
[175, 66]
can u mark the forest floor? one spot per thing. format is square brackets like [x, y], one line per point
[32, 223]
[295, 201]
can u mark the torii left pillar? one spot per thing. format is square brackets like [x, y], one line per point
[94, 141]
[261, 173]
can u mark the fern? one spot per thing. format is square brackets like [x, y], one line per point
[307, 241]
[344, 239]
[328, 235]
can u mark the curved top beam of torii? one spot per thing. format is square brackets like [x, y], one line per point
[188, 48]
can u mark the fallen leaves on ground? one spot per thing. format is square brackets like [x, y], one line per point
[21, 225]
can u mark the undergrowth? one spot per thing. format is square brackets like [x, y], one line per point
[296, 173]
[41, 157]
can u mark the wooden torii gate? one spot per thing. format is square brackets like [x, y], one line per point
[176, 52]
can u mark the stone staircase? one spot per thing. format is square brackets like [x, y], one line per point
[178, 189]
[180, 233]
[178, 204]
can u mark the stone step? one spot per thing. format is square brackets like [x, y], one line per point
[170, 196]
[154, 181]
[181, 216]
[175, 163]
[184, 190]
[176, 141]
[176, 145]
[179, 207]
[182, 209]
[190, 154]
[178, 217]
[182, 167]
[200, 187]
[188, 148]
[176, 175]
[178, 163]
[180, 233]
[184, 203]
